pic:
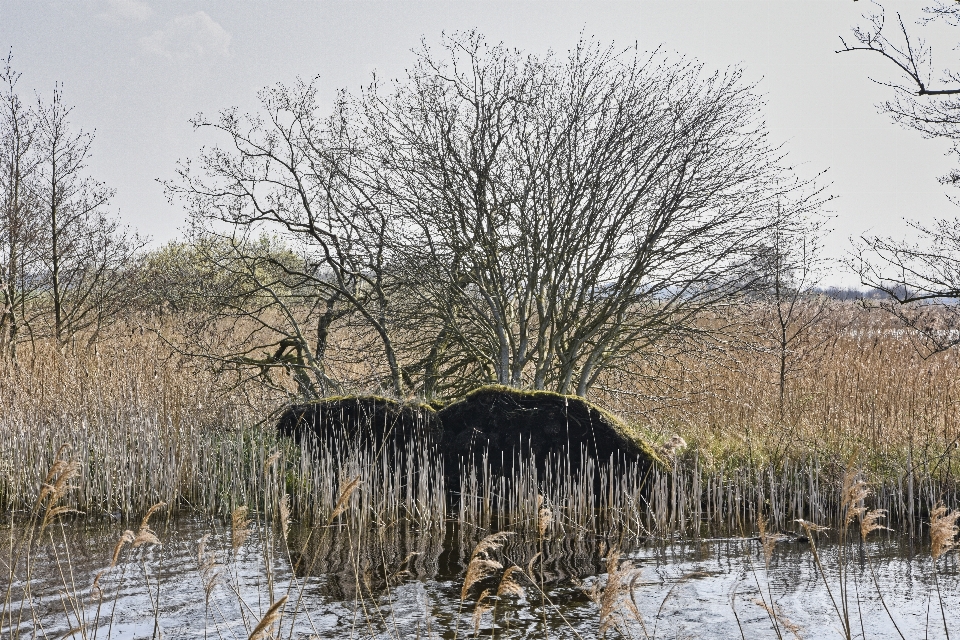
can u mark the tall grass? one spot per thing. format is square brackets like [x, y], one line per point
[146, 426]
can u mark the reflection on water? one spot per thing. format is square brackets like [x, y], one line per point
[403, 583]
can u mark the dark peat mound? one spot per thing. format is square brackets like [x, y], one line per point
[507, 422]
[363, 420]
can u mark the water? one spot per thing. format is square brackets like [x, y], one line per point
[404, 583]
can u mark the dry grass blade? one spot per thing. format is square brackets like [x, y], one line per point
[239, 528]
[264, 628]
[777, 615]
[345, 492]
[943, 530]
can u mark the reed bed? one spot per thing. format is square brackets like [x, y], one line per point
[863, 385]
[690, 499]
[146, 426]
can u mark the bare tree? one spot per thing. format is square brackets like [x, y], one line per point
[562, 216]
[920, 278]
[926, 98]
[498, 217]
[85, 252]
[292, 172]
[251, 307]
[18, 226]
[789, 307]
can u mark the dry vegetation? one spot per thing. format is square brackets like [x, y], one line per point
[868, 392]
[146, 425]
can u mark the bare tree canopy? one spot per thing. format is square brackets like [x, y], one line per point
[573, 211]
[19, 227]
[496, 216]
[927, 97]
[65, 263]
[920, 278]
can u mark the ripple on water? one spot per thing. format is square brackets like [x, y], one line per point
[408, 584]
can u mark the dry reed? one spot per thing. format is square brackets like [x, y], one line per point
[145, 426]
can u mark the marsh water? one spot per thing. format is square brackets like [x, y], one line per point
[407, 584]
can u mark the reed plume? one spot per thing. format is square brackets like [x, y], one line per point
[345, 492]
[768, 539]
[478, 569]
[481, 566]
[127, 537]
[264, 629]
[271, 460]
[209, 570]
[508, 584]
[480, 609]
[55, 484]
[531, 562]
[615, 599]
[145, 522]
[854, 491]
[52, 513]
[285, 516]
[146, 535]
[544, 516]
[870, 522]
[943, 530]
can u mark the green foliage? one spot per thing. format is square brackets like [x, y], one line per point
[207, 270]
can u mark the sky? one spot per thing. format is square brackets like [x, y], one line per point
[138, 70]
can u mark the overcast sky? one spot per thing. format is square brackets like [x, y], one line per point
[137, 70]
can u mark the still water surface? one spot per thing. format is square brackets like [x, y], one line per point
[408, 585]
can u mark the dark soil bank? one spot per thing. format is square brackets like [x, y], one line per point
[502, 421]
[363, 419]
